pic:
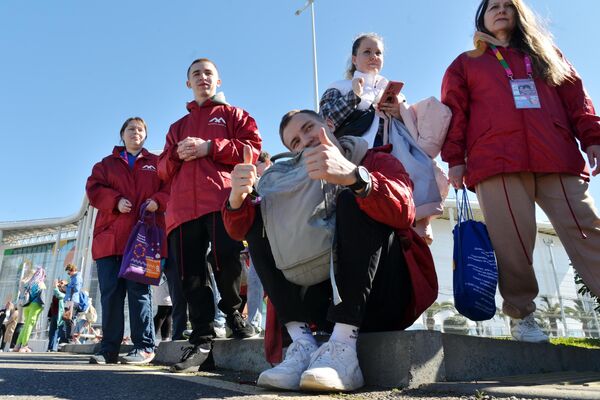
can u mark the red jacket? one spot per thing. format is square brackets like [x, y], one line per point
[491, 136]
[390, 202]
[198, 187]
[111, 180]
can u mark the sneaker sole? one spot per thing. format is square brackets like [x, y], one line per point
[93, 361]
[147, 361]
[267, 383]
[243, 335]
[313, 383]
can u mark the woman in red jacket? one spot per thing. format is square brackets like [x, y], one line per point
[118, 186]
[519, 109]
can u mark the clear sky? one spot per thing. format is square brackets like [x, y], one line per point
[72, 71]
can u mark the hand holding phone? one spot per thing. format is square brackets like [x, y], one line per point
[391, 92]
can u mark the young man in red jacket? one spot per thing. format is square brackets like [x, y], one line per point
[385, 274]
[200, 152]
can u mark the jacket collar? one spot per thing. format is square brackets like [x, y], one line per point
[217, 99]
[118, 149]
[481, 41]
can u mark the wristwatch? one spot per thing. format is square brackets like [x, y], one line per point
[363, 179]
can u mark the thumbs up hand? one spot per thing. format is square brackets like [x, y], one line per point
[243, 178]
[328, 163]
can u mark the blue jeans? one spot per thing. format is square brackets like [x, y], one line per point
[255, 296]
[53, 334]
[112, 297]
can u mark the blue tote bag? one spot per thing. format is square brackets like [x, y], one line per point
[475, 271]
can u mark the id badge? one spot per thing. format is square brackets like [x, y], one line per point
[525, 93]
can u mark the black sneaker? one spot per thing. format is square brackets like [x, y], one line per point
[192, 357]
[209, 364]
[104, 358]
[240, 328]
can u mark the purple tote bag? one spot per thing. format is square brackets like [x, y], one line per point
[141, 260]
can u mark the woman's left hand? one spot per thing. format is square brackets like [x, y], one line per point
[392, 109]
[152, 206]
[593, 153]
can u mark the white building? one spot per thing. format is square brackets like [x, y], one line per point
[55, 242]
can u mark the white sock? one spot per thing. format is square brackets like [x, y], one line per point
[345, 333]
[300, 330]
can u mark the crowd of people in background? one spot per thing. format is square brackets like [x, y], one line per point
[512, 119]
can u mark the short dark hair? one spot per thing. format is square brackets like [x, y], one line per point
[285, 120]
[197, 60]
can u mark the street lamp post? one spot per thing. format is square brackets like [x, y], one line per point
[314, 40]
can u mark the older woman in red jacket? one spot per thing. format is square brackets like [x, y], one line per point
[519, 110]
[118, 186]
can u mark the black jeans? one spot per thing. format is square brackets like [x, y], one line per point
[180, 310]
[163, 322]
[189, 244]
[372, 276]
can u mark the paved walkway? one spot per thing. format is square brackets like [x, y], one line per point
[70, 376]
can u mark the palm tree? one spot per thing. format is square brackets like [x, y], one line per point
[456, 324]
[583, 290]
[585, 316]
[551, 312]
[433, 310]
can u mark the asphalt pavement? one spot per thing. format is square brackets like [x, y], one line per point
[44, 376]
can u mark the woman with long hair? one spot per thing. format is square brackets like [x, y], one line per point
[520, 116]
[33, 286]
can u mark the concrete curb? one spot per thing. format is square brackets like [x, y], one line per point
[410, 358]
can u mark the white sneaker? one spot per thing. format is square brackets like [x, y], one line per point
[527, 330]
[220, 332]
[333, 367]
[287, 374]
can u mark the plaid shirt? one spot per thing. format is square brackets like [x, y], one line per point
[336, 107]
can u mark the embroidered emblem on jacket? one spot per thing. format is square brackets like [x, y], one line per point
[217, 121]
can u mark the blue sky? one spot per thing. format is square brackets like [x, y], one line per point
[73, 71]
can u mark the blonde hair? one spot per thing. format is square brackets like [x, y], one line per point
[532, 37]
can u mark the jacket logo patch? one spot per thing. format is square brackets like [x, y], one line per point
[217, 121]
[148, 168]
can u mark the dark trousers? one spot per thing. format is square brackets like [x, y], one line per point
[69, 325]
[189, 245]
[163, 322]
[53, 333]
[372, 277]
[180, 310]
[2, 332]
[16, 334]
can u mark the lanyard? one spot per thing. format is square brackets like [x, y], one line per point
[507, 69]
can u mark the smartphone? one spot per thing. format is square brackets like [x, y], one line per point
[391, 92]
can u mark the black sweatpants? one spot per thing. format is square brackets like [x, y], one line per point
[188, 245]
[372, 276]
[179, 314]
[163, 322]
